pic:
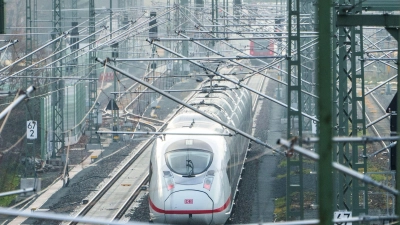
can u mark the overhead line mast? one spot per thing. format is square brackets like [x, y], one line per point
[57, 96]
[92, 126]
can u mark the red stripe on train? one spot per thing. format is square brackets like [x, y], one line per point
[204, 211]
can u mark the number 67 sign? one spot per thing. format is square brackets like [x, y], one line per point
[31, 129]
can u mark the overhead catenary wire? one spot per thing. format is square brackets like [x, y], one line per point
[235, 82]
[17, 101]
[271, 65]
[245, 66]
[42, 47]
[46, 58]
[256, 140]
[163, 133]
[9, 44]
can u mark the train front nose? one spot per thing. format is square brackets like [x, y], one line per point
[189, 207]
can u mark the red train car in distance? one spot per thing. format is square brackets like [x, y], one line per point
[260, 50]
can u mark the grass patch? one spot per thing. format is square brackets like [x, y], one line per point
[283, 163]
[280, 209]
[293, 173]
[11, 183]
[380, 177]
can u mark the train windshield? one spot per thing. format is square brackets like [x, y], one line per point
[188, 162]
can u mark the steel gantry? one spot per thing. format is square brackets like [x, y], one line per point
[177, 23]
[74, 13]
[31, 114]
[185, 45]
[92, 126]
[350, 22]
[307, 21]
[29, 37]
[294, 172]
[57, 96]
[348, 96]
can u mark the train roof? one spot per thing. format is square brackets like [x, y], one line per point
[226, 103]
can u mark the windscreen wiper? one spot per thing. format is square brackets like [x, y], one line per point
[189, 168]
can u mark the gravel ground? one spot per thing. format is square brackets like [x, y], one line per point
[140, 213]
[87, 181]
[258, 182]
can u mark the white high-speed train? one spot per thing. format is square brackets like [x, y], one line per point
[194, 178]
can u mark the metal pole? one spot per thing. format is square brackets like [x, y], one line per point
[16, 102]
[197, 58]
[8, 45]
[397, 203]
[20, 191]
[324, 78]
[92, 126]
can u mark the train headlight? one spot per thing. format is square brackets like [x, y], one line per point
[208, 180]
[169, 180]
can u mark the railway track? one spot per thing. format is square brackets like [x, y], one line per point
[121, 209]
[374, 111]
[131, 199]
[111, 183]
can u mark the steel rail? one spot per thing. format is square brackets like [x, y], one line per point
[121, 212]
[111, 182]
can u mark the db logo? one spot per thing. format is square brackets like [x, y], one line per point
[188, 201]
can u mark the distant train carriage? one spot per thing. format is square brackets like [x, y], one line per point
[261, 47]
